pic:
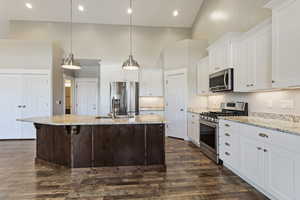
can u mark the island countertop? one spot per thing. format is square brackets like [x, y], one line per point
[76, 120]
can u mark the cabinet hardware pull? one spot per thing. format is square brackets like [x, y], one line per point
[227, 125]
[227, 154]
[265, 150]
[19, 106]
[227, 134]
[259, 148]
[273, 81]
[227, 144]
[263, 135]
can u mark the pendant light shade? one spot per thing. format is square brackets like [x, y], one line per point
[68, 61]
[130, 63]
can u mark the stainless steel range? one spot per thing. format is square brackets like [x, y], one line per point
[209, 127]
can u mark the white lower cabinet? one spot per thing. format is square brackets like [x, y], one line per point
[280, 172]
[194, 128]
[252, 160]
[269, 160]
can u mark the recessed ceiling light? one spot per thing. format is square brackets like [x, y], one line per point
[218, 15]
[29, 5]
[129, 11]
[81, 8]
[175, 13]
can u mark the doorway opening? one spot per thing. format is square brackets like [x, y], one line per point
[68, 96]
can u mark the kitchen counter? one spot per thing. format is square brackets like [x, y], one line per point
[152, 109]
[201, 110]
[74, 120]
[274, 124]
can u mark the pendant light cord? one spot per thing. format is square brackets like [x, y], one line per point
[71, 26]
[131, 28]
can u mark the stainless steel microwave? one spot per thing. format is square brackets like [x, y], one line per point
[221, 81]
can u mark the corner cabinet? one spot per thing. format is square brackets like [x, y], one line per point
[223, 53]
[203, 77]
[269, 160]
[151, 82]
[286, 42]
[254, 71]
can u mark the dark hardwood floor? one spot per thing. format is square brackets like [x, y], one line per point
[190, 175]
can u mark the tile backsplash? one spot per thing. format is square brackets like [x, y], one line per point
[151, 102]
[286, 102]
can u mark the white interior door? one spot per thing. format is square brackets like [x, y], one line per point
[176, 105]
[86, 97]
[35, 101]
[10, 106]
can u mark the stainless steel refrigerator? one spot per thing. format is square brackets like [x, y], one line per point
[124, 98]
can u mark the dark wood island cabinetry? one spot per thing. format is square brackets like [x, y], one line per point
[102, 144]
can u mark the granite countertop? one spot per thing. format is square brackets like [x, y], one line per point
[274, 124]
[201, 110]
[152, 109]
[69, 120]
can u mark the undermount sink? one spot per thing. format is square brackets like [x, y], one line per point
[117, 117]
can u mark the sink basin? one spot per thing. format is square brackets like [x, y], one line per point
[117, 117]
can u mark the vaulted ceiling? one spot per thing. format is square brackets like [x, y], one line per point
[146, 12]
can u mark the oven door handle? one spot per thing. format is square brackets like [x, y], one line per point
[214, 125]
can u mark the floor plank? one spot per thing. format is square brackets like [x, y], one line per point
[190, 176]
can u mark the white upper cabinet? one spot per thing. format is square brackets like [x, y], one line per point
[151, 82]
[223, 53]
[286, 43]
[255, 59]
[202, 77]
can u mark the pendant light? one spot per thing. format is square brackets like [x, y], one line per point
[69, 62]
[130, 63]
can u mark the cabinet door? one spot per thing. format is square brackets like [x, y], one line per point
[286, 44]
[263, 60]
[189, 126]
[241, 72]
[252, 160]
[35, 101]
[10, 106]
[196, 131]
[280, 166]
[151, 82]
[203, 77]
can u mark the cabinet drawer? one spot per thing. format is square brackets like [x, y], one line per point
[193, 116]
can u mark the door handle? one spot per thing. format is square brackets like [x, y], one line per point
[181, 109]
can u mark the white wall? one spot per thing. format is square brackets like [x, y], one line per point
[238, 16]
[110, 43]
[4, 23]
[25, 54]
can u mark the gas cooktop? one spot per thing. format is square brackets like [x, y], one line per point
[228, 109]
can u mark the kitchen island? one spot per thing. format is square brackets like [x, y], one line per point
[86, 141]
